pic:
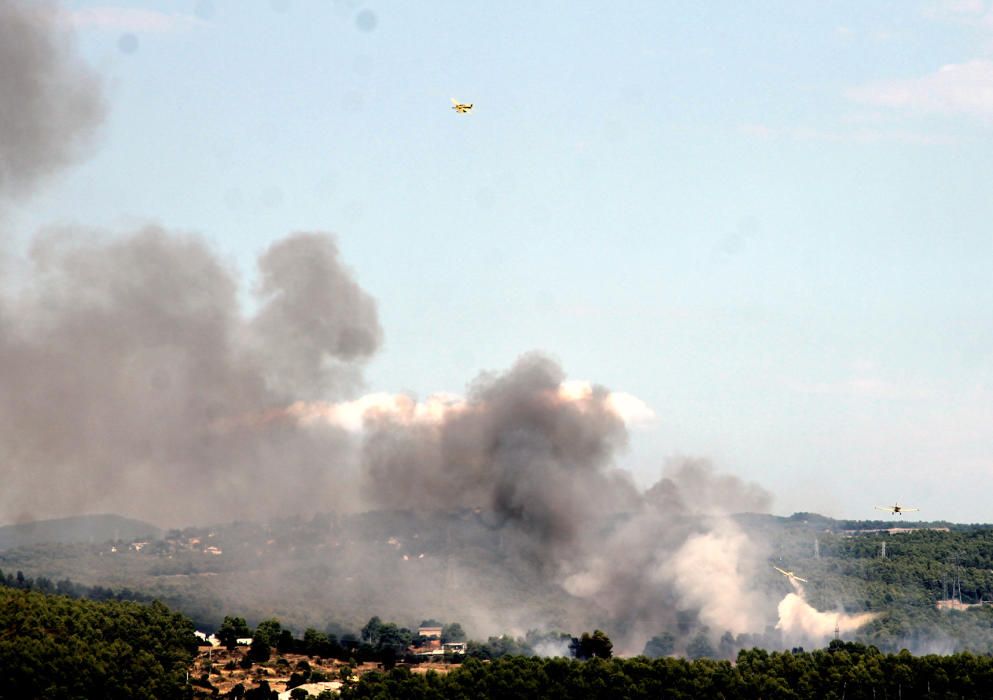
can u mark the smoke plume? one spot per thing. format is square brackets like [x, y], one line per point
[692, 485]
[127, 364]
[801, 623]
[678, 557]
[132, 381]
[51, 102]
[541, 459]
[316, 322]
[713, 572]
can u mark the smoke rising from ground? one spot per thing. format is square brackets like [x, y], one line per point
[542, 459]
[800, 623]
[51, 102]
[132, 381]
[126, 361]
[713, 572]
[516, 447]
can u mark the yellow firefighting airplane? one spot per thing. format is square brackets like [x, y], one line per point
[461, 107]
[790, 574]
[897, 509]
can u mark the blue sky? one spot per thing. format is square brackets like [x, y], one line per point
[770, 221]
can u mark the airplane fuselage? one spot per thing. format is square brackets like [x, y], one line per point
[789, 574]
[897, 509]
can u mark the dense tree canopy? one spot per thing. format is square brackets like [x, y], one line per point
[57, 647]
[233, 628]
[592, 646]
[843, 670]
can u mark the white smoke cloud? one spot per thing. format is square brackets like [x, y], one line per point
[801, 623]
[406, 409]
[714, 572]
[679, 553]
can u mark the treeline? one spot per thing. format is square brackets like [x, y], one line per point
[843, 670]
[54, 646]
[917, 567]
[535, 643]
[69, 588]
[898, 575]
[57, 647]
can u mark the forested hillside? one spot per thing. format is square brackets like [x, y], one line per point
[333, 573]
[899, 569]
[56, 647]
[53, 646]
[843, 670]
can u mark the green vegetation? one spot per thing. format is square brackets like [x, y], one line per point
[231, 629]
[53, 646]
[56, 647]
[921, 566]
[69, 588]
[843, 670]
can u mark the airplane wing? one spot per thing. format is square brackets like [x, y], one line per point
[910, 510]
[890, 509]
[801, 579]
[784, 573]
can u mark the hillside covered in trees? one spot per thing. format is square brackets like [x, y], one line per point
[332, 573]
[843, 670]
[53, 646]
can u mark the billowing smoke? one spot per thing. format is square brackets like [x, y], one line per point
[541, 459]
[691, 485]
[713, 572]
[679, 559]
[316, 322]
[802, 624]
[538, 458]
[127, 365]
[132, 381]
[51, 102]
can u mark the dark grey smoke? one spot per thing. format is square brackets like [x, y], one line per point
[50, 103]
[132, 383]
[543, 465]
[517, 448]
[692, 485]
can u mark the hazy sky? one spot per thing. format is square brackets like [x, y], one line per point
[770, 221]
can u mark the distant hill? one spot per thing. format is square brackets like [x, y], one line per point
[77, 529]
[929, 584]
